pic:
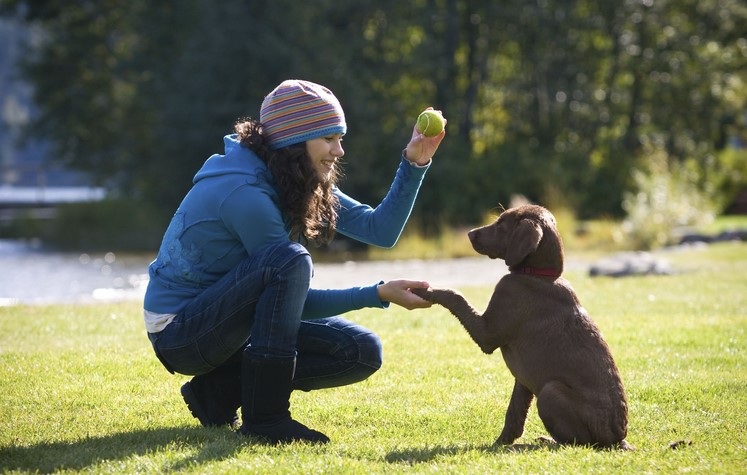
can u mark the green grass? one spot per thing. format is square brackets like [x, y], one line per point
[726, 223]
[81, 391]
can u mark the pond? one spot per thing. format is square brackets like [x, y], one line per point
[33, 275]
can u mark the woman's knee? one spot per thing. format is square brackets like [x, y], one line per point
[292, 257]
[282, 253]
[288, 260]
[370, 357]
[370, 351]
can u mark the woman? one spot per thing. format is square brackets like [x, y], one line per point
[229, 297]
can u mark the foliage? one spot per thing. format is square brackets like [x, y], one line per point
[540, 96]
[730, 174]
[109, 225]
[665, 201]
[82, 391]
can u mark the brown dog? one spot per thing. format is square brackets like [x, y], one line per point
[548, 341]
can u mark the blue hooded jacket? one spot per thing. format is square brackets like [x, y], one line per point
[233, 209]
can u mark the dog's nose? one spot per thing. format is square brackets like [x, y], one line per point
[471, 235]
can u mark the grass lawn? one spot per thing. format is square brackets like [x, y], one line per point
[82, 392]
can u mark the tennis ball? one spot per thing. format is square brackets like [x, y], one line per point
[430, 123]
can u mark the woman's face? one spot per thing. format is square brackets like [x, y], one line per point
[324, 152]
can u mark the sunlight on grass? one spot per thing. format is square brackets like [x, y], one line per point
[82, 391]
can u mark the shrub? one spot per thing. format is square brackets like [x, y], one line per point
[665, 200]
[111, 224]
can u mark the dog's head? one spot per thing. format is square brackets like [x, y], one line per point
[527, 236]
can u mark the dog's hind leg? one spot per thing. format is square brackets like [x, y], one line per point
[516, 414]
[559, 408]
[571, 421]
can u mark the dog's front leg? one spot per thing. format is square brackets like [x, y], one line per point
[516, 414]
[457, 304]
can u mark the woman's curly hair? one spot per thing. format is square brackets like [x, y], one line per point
[308, 202]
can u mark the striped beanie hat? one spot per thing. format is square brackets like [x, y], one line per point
[297, 111]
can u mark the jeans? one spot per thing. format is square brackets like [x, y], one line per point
[256, 309]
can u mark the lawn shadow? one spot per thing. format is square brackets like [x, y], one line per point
[429, 453]
[47, 457]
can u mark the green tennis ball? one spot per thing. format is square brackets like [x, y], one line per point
[430, 123]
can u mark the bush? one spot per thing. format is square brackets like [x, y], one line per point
[665, 200]
[112, 224]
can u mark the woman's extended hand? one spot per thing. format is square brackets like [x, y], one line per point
[398, 292]
[421, 149]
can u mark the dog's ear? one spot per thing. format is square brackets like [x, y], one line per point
[524, 240]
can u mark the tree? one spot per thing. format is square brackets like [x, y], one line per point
[545, 98]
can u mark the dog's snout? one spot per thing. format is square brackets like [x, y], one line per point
[477, 239]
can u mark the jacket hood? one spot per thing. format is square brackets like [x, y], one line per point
[235, 160]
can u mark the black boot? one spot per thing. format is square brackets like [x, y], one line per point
[214, 397]
[266, 390]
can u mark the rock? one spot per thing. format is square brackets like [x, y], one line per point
[729, 235]
[630, 263]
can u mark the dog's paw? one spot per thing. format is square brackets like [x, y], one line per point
[500, 441]
[425, 294]
[624, 445]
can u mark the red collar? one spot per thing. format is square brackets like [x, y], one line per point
[536, 271]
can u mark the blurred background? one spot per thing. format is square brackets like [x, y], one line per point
[627, 119]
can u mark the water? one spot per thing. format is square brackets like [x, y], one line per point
[33, 275]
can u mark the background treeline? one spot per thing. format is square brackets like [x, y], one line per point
[562, 101]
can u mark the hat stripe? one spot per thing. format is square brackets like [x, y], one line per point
[293, 114]
[297, 103]
[323, 118]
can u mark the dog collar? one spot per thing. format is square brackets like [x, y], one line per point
[528, 270]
